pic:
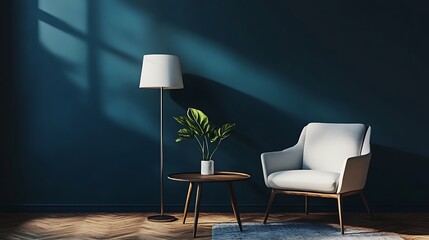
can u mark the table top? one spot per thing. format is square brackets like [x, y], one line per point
[216, 177]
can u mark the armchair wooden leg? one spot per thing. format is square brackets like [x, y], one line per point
[362, 195]
[340, 212]
[306, 205]
[270, 202]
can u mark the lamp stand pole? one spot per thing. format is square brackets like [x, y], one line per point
[161, 217]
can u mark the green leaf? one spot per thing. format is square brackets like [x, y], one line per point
[194, 127]
[197, 126]
[184, 134]
[181, 120]
[199, 121]
[214, 136]
[221, 133]
[225, 130]
[184, 120]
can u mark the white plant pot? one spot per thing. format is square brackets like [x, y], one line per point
[207, 167]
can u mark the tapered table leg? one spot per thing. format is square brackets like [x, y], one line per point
[197, 208]
[234, 205]
[195, 179]
[185, 211]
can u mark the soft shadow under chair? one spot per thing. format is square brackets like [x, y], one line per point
[330, 160]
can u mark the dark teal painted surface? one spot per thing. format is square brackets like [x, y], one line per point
[78, 133]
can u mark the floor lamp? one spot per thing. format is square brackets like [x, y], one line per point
[163, 72]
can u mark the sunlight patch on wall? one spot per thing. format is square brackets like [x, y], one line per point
[126, 29]
[119, 91]
[71, 50]
[73, 12]
[128, 34]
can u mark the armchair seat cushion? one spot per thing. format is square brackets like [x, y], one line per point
[304, 180]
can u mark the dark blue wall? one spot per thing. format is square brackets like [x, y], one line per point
[78, 133]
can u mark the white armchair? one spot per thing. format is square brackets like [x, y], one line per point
[330, 160]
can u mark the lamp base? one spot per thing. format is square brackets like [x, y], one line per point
[162, 218]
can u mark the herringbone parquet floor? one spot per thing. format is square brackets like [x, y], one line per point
[136, 226]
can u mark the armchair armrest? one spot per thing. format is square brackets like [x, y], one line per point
[288, 159]
[353, 176]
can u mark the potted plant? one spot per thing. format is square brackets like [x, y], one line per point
[198, 127]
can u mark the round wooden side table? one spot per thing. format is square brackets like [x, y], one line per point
[198, 179]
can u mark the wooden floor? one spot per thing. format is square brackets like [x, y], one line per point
[136, 226]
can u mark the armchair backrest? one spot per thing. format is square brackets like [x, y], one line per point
[328, 145]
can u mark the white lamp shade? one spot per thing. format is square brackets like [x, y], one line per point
[161, 71]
